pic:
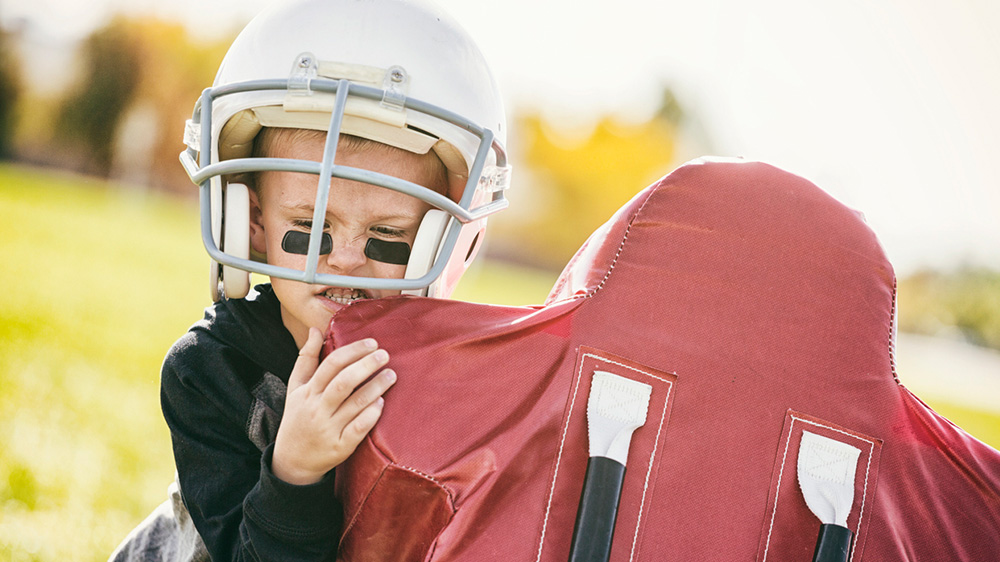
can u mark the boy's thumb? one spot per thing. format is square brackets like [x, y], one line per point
[307, 361]
[328, 345]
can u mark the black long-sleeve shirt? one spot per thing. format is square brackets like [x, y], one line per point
[222, 392]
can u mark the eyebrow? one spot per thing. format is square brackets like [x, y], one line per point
[305, 206]
[308, 207]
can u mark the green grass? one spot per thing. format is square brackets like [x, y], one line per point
[985, 426]
[99, 282]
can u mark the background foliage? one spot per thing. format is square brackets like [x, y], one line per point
[580, 179]
[963, 303]
[123, 117]
[90, 115]
[10, 90]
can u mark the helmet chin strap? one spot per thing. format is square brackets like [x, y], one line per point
[235, 229]
[425, 249]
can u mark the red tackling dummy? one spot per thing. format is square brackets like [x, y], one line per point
[756, 306]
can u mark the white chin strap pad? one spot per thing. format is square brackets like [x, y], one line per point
[425, 249]
[216, 210]
[236, 239]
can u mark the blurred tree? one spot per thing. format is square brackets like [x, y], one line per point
[583, 181]
[10, 92]
[966, 301]
[125, 117]
[90, 115]
[174, 69]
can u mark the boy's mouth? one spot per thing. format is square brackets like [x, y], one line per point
[341, 295]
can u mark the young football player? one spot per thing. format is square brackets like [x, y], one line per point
[348, 150]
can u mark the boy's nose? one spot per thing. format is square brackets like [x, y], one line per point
[347, 254]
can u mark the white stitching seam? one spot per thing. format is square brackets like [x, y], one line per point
[892, 340]
[618, 253]
[864, 493]
[652, 456]
[451, 498]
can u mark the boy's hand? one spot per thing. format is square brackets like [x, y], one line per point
[326, 415]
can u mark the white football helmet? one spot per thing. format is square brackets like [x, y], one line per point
[399, 72]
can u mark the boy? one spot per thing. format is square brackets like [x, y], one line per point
[371, 136]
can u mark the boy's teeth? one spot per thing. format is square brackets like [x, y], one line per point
[343, 297]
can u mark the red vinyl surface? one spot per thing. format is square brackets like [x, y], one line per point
[756, 306]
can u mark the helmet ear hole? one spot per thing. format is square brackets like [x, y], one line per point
[213, 280]
[425, 248]
[473, 248]
[236, 239]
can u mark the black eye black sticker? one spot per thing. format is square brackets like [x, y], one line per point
[296, 242]
[397, 253]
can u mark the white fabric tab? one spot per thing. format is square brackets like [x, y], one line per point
[826, 469]
[616, 408]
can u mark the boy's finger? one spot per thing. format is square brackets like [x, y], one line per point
[344, 384]
[357, 428]
[339, 359]
[349, 408]
[307, 361]
[355, 431]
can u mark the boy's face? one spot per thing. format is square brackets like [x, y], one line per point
[355, 212]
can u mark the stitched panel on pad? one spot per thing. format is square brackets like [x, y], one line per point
[643, 457]
[789, 526]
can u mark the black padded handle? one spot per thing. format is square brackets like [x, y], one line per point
[833, 544]
[595, 519]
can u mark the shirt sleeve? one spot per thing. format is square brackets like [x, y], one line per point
[241, 510]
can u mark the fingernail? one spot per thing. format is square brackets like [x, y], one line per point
[390, 375]
[370, 343]
[382, 355]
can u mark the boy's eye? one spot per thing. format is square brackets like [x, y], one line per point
[306, 224]
[388, 231]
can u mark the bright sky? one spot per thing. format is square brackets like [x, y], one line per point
[890, 105]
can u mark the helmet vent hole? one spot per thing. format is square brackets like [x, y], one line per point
[422, 132]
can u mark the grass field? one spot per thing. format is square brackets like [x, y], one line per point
[99, 282]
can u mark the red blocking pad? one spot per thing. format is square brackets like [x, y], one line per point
[757, 306]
